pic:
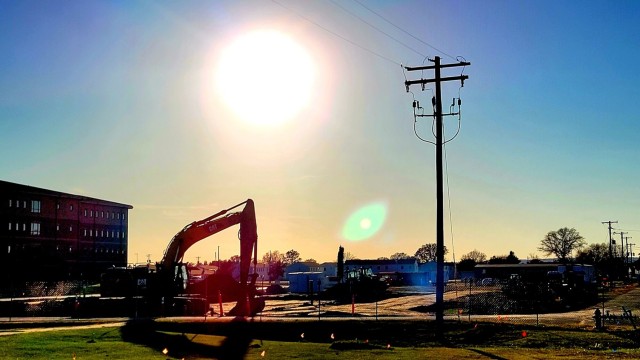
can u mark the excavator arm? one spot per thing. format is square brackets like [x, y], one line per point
[198, 230]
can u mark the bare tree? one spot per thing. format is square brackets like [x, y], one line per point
[400, 256]
[272, 256]
[350, 256]
[276, 264]
[594, 254]
[428, 252]
[475, 255]
[562, 243]
[292, 256]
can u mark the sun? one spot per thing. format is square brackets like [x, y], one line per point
[265, 77]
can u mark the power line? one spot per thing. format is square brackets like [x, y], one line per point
[404, 31]
[377, 29]
[336, 34]
[446, 172]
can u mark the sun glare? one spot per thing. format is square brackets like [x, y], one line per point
[265, 77]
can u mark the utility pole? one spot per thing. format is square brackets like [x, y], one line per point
[626, 241]
[610, 239]
[621, 233]
[437, 80]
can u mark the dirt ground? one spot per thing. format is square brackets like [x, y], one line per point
[410, 299]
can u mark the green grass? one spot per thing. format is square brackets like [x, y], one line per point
[103, 343]
[354, 340]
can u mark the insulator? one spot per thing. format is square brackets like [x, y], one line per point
[414, 104]
[433, 101]
[459, 102]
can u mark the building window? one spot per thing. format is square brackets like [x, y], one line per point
[85, 212]
[122, 216]
[101, 214]
[57, 227]
[35, 206]
[70, 207]
[24, 227]
[10, 202]
[118, 215]
[70, 228]
[9, 226]
[24, 204]
[57, 206]
[91, 213]
[84, 232]
[35, 229]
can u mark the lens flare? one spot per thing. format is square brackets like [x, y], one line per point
[365, 222]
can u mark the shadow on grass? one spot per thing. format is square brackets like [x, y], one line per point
[236, 343]
[487, 354]
[238, 335]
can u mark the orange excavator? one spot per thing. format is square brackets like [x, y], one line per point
[168, 284]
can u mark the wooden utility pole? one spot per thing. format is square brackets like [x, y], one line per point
[610, 238]
[437, 80]
[621, 233]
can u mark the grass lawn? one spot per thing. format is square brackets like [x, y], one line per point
[352, 340]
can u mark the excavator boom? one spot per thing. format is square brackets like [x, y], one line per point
[171, 274]
[198, 230]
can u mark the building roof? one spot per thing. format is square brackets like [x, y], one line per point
[522, 266]
[307, 263]
[381, 262]
[5, 185]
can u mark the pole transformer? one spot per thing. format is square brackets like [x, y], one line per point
[437, 80]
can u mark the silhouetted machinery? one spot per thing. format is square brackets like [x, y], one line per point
[166, 285]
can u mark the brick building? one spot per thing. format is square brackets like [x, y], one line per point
[50, 235]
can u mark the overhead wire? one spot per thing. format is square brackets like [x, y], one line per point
[375, 28]
[403, 30]
[416, 107]
[336, 34]
[446, 172]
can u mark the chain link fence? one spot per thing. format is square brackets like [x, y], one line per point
[532, 304]
[41, 298]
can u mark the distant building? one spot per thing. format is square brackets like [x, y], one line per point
[503, 272]
[51, 235]
[402, 271]
[383, 266]
[302, 266]
[306, 276]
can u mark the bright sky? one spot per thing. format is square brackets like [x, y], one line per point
[182, 109]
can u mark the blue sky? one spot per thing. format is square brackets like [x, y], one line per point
[114, 100]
